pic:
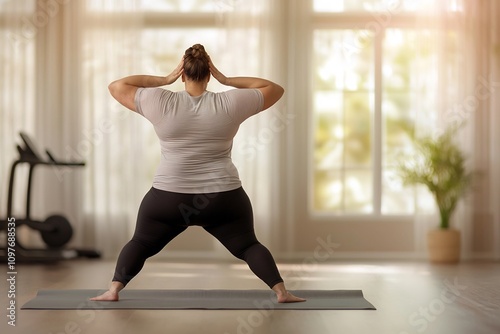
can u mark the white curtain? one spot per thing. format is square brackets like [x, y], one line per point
[29, 88]
[465, 96]
[17, 92]
[111, 139]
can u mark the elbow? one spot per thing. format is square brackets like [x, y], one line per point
[272, 95]
[281, 91]
[278, 92]
[115, 89]
[112, 88]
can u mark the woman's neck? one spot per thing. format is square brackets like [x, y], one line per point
[195, 88]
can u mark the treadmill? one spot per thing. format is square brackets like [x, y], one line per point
[56, 230]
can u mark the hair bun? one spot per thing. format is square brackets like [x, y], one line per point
[196, 62]
[197, 51]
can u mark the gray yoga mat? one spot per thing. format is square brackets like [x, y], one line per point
[199, 299]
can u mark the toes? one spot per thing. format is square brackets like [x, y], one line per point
[289, 298]
[105, 297]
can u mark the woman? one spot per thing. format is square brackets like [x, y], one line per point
[196, 182]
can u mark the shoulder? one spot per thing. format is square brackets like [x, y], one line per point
[242, 96]
[243, 92]
[153, 95]
[151, 102]
[242, 103]
[144, 92]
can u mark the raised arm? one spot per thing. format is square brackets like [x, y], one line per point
[123, 90]
[271, 91]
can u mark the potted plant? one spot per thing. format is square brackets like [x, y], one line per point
[440, 165]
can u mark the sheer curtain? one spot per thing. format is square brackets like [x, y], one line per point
[101, 44]
[29, 88]
[17, 90]
[465, 95]
[113, 139]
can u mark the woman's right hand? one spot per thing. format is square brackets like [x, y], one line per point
[271, 92]
[216, 73]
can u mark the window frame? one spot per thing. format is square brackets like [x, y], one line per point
[378, 23]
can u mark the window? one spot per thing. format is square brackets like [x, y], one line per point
[343, 104]
[373, 81]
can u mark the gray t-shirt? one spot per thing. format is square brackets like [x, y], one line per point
[196, 136]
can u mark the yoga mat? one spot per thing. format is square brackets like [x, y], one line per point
[199, 300]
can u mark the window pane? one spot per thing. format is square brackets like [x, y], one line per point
[358, 191]
[390, 6]
[343, 191]
[357, 127]
[329, 190]
[343, 101]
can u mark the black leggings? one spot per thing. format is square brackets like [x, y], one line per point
[226, 215]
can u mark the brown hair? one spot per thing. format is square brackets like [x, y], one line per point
[196, 63]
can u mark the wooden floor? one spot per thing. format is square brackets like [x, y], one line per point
[410, 298]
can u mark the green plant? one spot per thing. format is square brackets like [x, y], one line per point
[440, 165]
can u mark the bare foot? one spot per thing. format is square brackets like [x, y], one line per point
[107, 296]
[285, 296]
[112, 294]
[289, 298]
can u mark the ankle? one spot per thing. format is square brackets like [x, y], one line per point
[280, 289]
[116, 287]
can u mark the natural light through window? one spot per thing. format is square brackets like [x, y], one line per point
[343, 102]
[370, 88]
